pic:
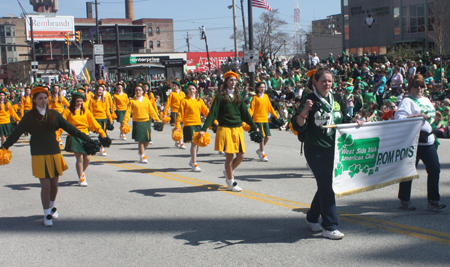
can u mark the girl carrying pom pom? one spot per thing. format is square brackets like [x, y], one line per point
[47, 162]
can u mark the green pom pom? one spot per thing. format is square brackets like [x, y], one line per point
[158, 126]
[278, 122]
[256, 136]
[91, 146]
[105, 141]
[110, 127]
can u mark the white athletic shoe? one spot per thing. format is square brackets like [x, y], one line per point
[177, 144]
[54, 213]
[143, 159]
[263, 157]
[82, 181]
[150, 143]
[196, 168]
[335, 234]
[232, 186]
[182, 146]
[48, 222]
[103, 153]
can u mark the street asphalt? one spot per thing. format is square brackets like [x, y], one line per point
[163, 214]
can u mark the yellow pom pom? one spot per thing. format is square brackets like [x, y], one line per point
[5, 156]
[166, 120]
[293, 131]
[203, 141]
[245, 126]
[125, 129]
[177, 135]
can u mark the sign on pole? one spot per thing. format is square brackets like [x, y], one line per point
[251, 56]
[98, 49]
[98, 60]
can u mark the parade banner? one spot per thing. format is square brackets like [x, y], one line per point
[375, 155]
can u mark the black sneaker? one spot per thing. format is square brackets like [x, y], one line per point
[435, 205]
[406, 205]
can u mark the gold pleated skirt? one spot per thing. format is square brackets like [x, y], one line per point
[48, 166]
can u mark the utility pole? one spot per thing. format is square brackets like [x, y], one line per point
[99, 70]
[187, 41]
[33, 49]
[118, 51]
[235, 31]
[243, 25]
[250, 40]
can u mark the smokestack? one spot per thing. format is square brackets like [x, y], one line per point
[129, 10]
[89, 10]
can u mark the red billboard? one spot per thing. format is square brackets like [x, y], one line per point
[215, 58]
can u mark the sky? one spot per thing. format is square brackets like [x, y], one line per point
[188, 16]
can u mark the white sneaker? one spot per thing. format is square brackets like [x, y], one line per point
[182, 146]
[263, 157]
[225, 174]
[103, 153]
[258, 153]
[54, 213]
[48, 222]
[335, 234]
[196, 168]
[222, 153]
[124, 138]
[143, 159]
[82, 181]
[150, 143]
[177, 144]
[232, 185]
[315, 227]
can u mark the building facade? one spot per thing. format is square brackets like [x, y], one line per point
[12, 31]
[378, 26]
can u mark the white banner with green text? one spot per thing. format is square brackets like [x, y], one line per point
[375, 155]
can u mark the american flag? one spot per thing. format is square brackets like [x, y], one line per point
[261, 4]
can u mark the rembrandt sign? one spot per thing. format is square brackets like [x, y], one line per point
[51, 28]
[376, 11]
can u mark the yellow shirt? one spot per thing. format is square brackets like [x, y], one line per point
[120, 102]
[83, 122]
[108, 98]
[173, 101]
[152, 100]
[260, 108]
[26, 103]
[89, 95]
[100, 109]
[190, 111]
[58, 105]
[5, 115]
[141, 111]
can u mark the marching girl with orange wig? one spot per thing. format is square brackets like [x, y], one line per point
[84, 121]
[230, 111]
[189, 113]
[6, 112]
[142, 110]
[260, 107]
[47, 162]
[99, 107]
[120, 103]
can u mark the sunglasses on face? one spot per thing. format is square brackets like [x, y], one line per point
[418, 85]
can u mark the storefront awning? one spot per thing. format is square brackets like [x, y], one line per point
[142, 66]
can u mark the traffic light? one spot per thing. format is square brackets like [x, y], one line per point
[78, 37]
[66, 39]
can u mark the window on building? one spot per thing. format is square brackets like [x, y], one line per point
[158, 43]
[150, 44]
[2, 31]
[157, 29]
[10, 60]
[405, 19]
[420, 18]
[345, 2]
[359, 51]
[375, 49]
[150, 31]
[13, 32]
[346, 28]
[430, 17]
[8, 31]
[383, 50]
[9, 48]
[396, 20]
[15, 59]
[413, 19]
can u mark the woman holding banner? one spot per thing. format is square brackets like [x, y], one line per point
[319, 109]
[415, 105]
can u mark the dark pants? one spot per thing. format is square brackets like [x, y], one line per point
[380, 100]
[429, 157]
[320, 160]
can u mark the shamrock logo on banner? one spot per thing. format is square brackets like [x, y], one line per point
[344, 140]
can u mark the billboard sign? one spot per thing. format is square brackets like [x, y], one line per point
[198, 61]
[51, 28]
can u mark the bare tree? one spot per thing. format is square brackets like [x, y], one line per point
[439, 22]
[269, 38]
[17, 72]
